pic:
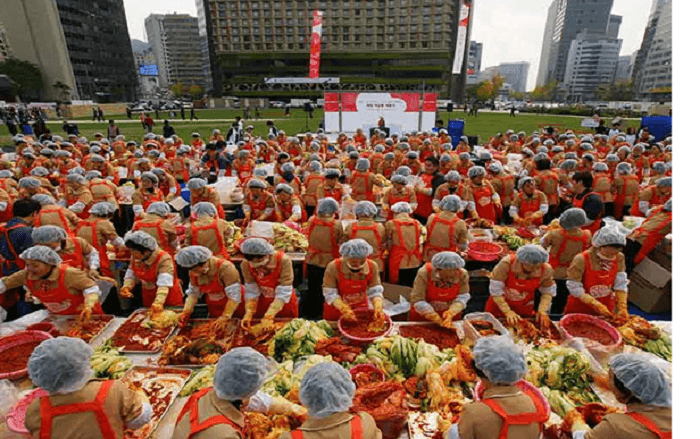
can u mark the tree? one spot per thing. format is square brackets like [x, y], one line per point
[516, 95]
[485, 91]
[545, 93]
[62, 89]
[179, 90]
[619, 91]
[30, 83]
[196, 92]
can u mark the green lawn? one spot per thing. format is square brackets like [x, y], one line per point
[484, 126]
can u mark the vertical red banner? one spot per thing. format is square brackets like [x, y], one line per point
[315, 61]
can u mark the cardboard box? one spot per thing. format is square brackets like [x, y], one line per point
[650, 287]
[663, 254]
[393, 293]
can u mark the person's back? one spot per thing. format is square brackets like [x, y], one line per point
[159, 228]
[208, 232]
[445, 233]
[338, 426]
[624, 426]
[15, 237]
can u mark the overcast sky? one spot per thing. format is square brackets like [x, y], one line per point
[511, 30]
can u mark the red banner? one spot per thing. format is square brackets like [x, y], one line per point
[332, 102]
[315, 61]
[430, 102]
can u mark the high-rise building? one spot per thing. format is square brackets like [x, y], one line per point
[33, 31]
[99, 48]
[211, 74]
[146, 59]
[177, 48]
[515, 74]
[652, 71]
[474, 62]
[4, 45]
[372, 45]
[592, 61]
[624, 68]
[566, 18]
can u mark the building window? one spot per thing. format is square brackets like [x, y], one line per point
[357, 12]
[369, 12]
[290, 46]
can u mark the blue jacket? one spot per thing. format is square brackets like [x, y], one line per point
[20, 239]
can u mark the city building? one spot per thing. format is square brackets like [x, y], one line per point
[592, 62]
[99, 48]
[474, 62]
[565, 19]
[624, 68]
[212, 75]
[371, 45]
[144, 61]
[177, 48]
[33, 30]
[652, 71]
[4, 45]
[515, 74]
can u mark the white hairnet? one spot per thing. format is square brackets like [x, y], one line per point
[445, 158]
[354, 155]
[47, 234]
[389, 156]
[485, 156]
[287, 167]
[664, 182]
[568, 165]
[327, 206]
[196, 183]
[103, 208]
[158, 172]
[612, 158]
[142, 239]
[257, 247]
[667, 205]
[495, 167]
[150, 176]
[624, 168]
[193, 255]
[570, 156]
[93, 174]
[205, 208]
[399, 179]
[525, 180]
[315, 166]
[401, 207]
[362, 165]
[39, 172]
[638, 147]
[586, 146]
[451, 203]
[159, 208]
[532, 254]
[240, 373]
[255, 183]
[365, 209]
[528, 152]
[659, 167]
[540, 156]
[557, 148]
[453, 176]
[644, 379]
[97, 158]
[332, 173]
[447, 261]
[379, 148]
[477, 171]
[43, 199]
[600, 167]
[41, 253]
[499, 359]
[60, 365]
[30, 183]
[356, 248]
[572, 218]
[608, 236]
[325, 389]
[284, 188]
[6, 173]
[413, 155]
[403, 170]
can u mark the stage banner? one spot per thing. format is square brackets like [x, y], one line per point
[429, 109]
[460, 49]
[315, 60]
[331, 109]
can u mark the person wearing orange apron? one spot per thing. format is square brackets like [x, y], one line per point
[147, 193]
[645, 390]
[441, 290]
[514, 282]
[180, 166]
[445, 231]
[61, 288]
[454, 186]
[167, 185]
[289, 177]
[74, 251]
[215, 278]
[530, 205]
[563, 244]
[260, 204]
[199, 191]
[330, 187]
[652, 196]
[627, 189]
[387, 167]
[352, 282]
[658, 171]
[78, 197]
[362, 182]
[647, 236]
[505, 410]
[156, 224]
[403, 237]
[368, 229]
[603, 186]
[288, 206]
[268, 277]
[597, 280]
[9, 184]
[486, 198]
[413, 163]
[398, 192]
[78, 405]
[504, 185]
[327, 392]
[312, 182]
[591, 202]
[641, 163]
[208, 231]
[154, 269]
[243, 166]
[98, 230]
[548, 182]
[52, 214]
[101, 189]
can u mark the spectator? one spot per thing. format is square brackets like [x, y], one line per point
[168, 130]
[112, 131]
[100, 115]
[95, 115]
[182, 112]
[128, 112]
[149, 123]
[192, 115]
[70, 128]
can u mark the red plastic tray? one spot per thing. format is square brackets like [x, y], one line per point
[18, 339]
[15, 418]
[570, 318]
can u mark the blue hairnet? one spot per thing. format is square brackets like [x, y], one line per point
[325, 389]
[47, 234]
[93, 174]
[403, 170]
[257, 247]
[568, 165]
[451, 203]
[447, 261]
[30, 183]
[327, 206]
[356, 248]
[412, 155]
[624, 168]
[600, 167]
[612, 158]
[256, 183]
[667, 205]
[659, 167]
[43, 199]
[664, 182]
[193, 255]
[608, 236]
[288, 167]
[39, 172]
[532, 254]
[644, 379]
[389, 156]
[6, 174]
[332, 173]
[570, 156]
[365, 209]
[399, 179]
[445, 158]
[60, 365]
[151, 176]
[379, 148]
[240, 373]
[159, 208]
[540, 156]
[499, 359]
[572, 218]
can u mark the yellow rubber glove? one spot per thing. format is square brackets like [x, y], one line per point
[125, 292]
[161, 295]
[512, 318]
[280, 406]
[94, 273]
[250, 307]
[88, 306]
[221, 323]
[621, 300]
[455, 309]
[598, 307]
[156, 308]
[345, 310]
[434, 317]
[378, 304]
[542, 316]
[269, 317]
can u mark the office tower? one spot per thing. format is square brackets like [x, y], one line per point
[474, 62]
[652, 71]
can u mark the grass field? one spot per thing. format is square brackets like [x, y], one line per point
[484, 126]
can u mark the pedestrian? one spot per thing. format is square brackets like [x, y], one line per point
[149, 123]
[112, 131]
[157, 117]
[143, 121]
[128, 113]
[512, 111]
[246, 112]
[11, 122]
[257, 113]
[182, 112]
[94, 114]
[100, 115]
[192, 115]
[287, 109]
[168, 130]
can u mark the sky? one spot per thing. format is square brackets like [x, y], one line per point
[511, 30]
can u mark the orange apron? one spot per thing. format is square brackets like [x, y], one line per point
[267, 285]
[539, 416]
[58, 210]
[74, 259]
[367, 194]
[353, 292]
[621, 195]
[59, 300]
[484, 204]
[213, 226]
[555, 259]
[529, 206]
[596, 283]
[652, 240]
[192, 407]
[397, 253]
[439, 298]
[425, 202]
[149, 275]
[96, 406]
[377, 256]
[105, 268]
[656, 200]
[650, 425]
[433, 249]
[213, 292]
[393, 200]
[355, 427]
[162, 239]
[519, 294]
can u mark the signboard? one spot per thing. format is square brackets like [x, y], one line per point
[461, 46]
[315, 60]
[302, 81]
[148, 69]
[589, 123]
[401, 111]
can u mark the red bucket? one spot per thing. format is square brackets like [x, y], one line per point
[14, 341]
[363, 340]
[484, 251]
